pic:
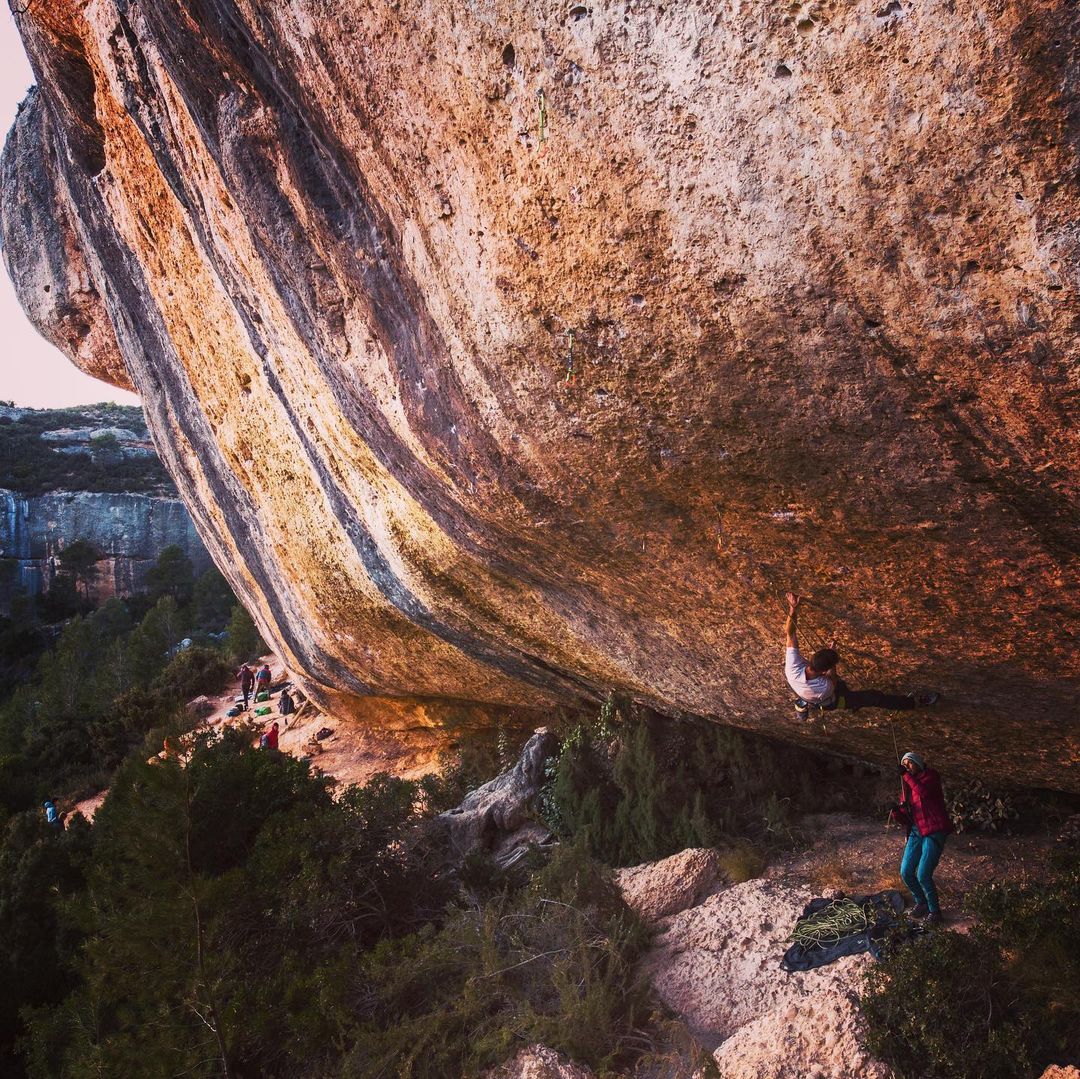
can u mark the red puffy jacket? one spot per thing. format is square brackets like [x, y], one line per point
[924, 802]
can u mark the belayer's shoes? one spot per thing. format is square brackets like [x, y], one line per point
[920, 910]
[802, 709]
[934, 918]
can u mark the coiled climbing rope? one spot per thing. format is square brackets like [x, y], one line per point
[842, 918]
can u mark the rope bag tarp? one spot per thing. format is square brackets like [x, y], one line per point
[828, 929]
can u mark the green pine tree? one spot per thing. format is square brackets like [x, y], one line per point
[172, 575]
[245, 644]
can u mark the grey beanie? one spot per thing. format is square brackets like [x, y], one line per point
[915, 759]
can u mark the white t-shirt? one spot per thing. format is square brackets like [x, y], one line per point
[810, 689]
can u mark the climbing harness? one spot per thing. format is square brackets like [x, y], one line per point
[542, 102]
[813, 711]
[570, 372]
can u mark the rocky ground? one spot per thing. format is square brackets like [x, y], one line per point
[715, 959]
[854, 855]
[716, 965]
[351, 754]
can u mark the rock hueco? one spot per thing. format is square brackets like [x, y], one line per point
[507, 355]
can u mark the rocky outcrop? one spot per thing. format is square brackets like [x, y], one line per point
[130, 531]
[496, 814]
[87, 473]
[507, 355]
[540, 1062]
[656, 890]
[123, 442]
[717, 965]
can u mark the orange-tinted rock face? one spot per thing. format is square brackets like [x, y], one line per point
[510, 355]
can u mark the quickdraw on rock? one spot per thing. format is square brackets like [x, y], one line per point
[542, 103]
[570, 372]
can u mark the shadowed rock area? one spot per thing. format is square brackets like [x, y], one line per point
[508, 354]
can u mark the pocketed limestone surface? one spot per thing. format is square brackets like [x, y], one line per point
[505, 354]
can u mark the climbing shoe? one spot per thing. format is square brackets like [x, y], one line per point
[920, 910]
[925, 699]
[802, 709]
[934, 919]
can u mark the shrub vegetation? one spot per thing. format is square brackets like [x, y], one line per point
[75, 709]
[225, 916]
[639, 787]
[32, 466]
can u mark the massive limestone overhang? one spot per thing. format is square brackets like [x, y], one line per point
[508, 354]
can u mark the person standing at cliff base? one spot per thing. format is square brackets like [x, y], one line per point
[286, 705]
[262, 680]
[924, 813]
[817, 685]
[247, 683]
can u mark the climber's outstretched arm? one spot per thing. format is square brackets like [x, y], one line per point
[791, 628]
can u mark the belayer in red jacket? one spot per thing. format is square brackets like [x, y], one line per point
[926, 817]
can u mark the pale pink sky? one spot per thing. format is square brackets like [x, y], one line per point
[32, 372]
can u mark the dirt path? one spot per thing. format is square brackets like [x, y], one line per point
[350, 754]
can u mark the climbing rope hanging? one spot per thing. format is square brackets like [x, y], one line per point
[570, 372]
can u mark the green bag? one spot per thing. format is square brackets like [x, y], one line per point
[262, 711]
[264, 696]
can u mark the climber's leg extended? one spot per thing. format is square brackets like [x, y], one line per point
[875, 698]
[909, 867]
[930, 855]
[854, 699]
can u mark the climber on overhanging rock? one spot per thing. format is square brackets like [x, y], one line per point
[924, 814]
[817, 685]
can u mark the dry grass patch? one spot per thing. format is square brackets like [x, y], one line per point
[741, 862]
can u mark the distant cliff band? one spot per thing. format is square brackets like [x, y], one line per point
[129, 530]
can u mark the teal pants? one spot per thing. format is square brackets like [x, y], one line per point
[921, 856]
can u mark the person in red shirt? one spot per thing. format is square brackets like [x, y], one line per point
[926, 817]
[272, 737]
